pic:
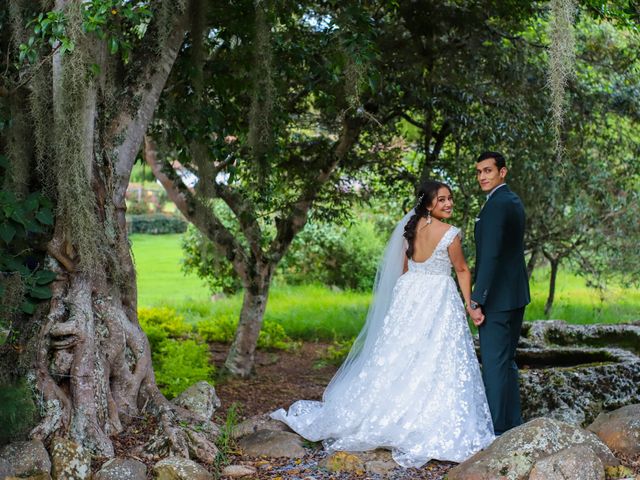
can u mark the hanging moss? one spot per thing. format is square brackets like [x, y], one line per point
[260, 137]
[73, 150]
[561, 61]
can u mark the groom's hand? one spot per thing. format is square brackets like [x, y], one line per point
[477, 317]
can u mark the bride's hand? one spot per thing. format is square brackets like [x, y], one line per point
[477, 317]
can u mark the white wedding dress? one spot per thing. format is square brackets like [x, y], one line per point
[414, 386]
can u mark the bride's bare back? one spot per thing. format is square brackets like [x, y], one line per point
[427, 238]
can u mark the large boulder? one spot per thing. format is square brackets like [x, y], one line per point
[178, 468]
[272, 444]
[619, 429]
[122, 469]
[26, 459]
[573, 463]
[69, 461]
[516, 452]
[200, 398]
[571, 372]
[256, 423]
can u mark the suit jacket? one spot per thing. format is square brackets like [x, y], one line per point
[500, 277]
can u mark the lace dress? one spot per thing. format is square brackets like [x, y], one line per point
[420, 392]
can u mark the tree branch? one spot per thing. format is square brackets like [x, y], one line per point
[198, 213]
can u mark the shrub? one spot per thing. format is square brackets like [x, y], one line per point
[18, 412]
[180, 364]
[336, 352]
[156, 224]
[162, 323]
[346, 257]
[222, 329]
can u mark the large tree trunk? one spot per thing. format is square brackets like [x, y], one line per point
[87, 357]
[241, 356]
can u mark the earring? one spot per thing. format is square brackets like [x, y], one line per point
[428, 217]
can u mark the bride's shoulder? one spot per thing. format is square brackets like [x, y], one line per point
[453, 232]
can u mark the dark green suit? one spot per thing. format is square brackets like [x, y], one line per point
[501, 287]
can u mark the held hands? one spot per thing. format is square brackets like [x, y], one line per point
[477, 317]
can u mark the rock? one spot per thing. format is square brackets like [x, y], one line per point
[515, 452]
[573, 463]
[571, 372]
[26, 459]
[619, 429]
[376, 462]
[238, 471]
[178, 468]
[122, 469]
[272, 444]
[259, 422]
[343, 462]
[200, 399]
[6, 470]
[69, 461]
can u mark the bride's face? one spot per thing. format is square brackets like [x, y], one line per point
[442, 206]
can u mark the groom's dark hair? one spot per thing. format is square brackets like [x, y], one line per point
[497, 156]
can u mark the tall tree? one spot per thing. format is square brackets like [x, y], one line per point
[81, 85]
[274, 113]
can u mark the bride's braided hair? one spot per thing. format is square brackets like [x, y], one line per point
[427, 192]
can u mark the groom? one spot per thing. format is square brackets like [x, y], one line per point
[501, 289]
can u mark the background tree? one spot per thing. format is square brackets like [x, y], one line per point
[80, 87]
[274, 117]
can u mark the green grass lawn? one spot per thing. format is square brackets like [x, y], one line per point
[317, 312]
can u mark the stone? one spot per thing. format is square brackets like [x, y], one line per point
[200, 399]
[6, 470]
[26, 458]
[69, 461]
[619, 429]
[122, 469]
[238, 471]
[258, 422]
[573, 463]
[376, 462]
[346, 462]
[272, 444]
[515, 452]
[573, 372]
[178, 468]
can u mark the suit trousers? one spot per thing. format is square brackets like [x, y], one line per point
[499, 336]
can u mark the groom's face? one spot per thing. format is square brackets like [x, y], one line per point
[488, 175]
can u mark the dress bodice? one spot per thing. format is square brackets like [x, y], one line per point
[439, 262]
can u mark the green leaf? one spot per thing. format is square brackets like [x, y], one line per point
[40, 292]
[113, 45]
[45, 216]
[28, 307]
[7, 232]
[44, 277]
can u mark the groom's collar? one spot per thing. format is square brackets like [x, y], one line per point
[493, 191]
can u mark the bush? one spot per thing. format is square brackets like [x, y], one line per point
[180, 364]
[346, 257]
[354, 259]
[18, 412]
[156, 224]
[272, 335]
[162, 323]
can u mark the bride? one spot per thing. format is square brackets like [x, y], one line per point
[411, 382]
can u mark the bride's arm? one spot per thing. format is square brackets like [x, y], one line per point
[462, 270]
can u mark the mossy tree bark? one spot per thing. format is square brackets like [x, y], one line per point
[84, 351]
